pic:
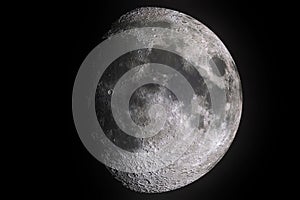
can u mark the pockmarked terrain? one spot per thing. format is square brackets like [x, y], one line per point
[159, 101]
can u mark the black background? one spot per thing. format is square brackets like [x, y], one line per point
[250, 169]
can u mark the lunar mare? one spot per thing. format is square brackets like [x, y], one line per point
[159, 101]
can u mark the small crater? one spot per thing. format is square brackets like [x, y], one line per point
[109, 92]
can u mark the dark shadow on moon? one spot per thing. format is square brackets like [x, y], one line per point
[218, 65]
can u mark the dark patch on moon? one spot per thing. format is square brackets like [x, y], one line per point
[218, 62]
[114, 72]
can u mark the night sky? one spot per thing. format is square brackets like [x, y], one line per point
[249, 168]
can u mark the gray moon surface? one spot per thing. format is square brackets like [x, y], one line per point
[159, 101]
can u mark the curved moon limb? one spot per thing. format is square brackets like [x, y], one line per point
[159, 101]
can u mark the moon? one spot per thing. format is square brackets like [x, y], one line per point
[159, 101]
